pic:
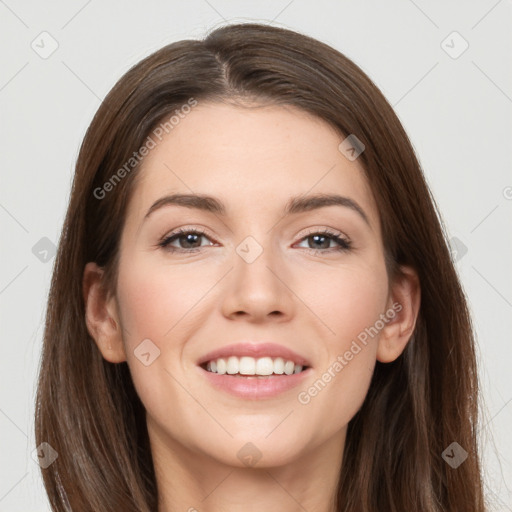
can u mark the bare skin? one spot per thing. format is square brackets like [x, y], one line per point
[300, 292]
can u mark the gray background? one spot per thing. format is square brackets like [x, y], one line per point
[456, 109]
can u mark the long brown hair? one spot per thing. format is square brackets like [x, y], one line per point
[87, 408]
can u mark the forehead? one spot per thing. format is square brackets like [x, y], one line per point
[253, 158]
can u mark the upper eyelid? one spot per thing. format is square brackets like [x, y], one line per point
[324, 230]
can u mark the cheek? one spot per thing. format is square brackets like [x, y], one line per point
[163, 304]
[157, 301]
[156, 304]
[351, 305]
[358, 307]
[348, 300]
[355, 318]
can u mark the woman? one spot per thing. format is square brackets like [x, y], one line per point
[253, 305]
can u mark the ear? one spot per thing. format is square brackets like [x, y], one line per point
[101, 315]
[403, 307]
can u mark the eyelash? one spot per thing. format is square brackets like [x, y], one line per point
[344, 244]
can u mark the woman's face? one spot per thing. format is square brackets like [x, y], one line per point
[255, 274]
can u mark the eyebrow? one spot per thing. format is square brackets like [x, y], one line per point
[298, 204]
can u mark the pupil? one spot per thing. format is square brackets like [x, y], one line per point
[316, 237]
[189, 237]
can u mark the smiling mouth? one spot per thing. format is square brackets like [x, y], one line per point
[249, 367]
[255, 379]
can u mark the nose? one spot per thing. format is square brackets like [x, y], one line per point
[257, 291]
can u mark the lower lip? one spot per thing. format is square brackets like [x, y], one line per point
[254, 387]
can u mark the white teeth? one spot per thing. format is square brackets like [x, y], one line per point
[247, 366]
[250, 366]
[232, 365]
[289, 367]
[279, 365]
[264, 366]
[221, 366]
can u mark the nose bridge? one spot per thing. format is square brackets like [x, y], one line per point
[255, 287]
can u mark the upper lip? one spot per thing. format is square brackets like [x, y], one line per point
[255, 350]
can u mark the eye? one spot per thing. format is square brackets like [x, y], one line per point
[190, 240]
[322, 240]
